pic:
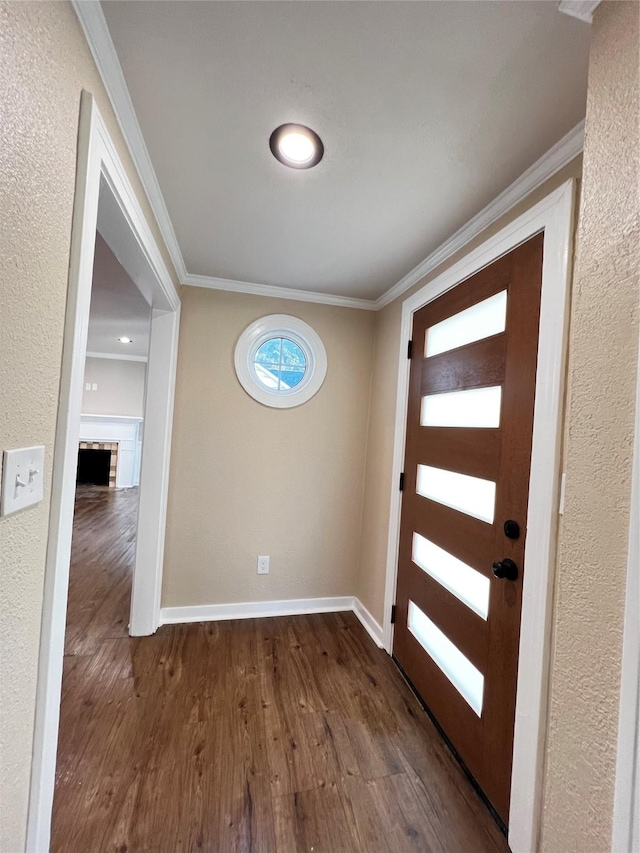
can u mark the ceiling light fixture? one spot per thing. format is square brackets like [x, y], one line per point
[296, 146]
[125, 340]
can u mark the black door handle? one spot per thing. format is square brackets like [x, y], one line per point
[505, 569]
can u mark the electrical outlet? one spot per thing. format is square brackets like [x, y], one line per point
[263, 565]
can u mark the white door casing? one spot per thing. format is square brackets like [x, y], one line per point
[104, 197]
[554, 216]
[626, 809]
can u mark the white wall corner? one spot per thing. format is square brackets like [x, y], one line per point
[581, 9]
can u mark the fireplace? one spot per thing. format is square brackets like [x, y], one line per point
[97, 463]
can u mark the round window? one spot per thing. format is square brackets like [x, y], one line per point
[280, 361]
[280, 364]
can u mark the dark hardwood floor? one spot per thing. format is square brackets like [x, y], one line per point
[286, 734]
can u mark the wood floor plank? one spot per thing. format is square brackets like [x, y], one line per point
[341, 744]
[313, 820]
[366, 822]
[409, 828]
[282, 735]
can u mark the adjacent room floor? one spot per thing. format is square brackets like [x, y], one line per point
[282, 735]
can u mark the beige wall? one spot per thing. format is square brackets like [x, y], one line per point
[375, 522]
[588, 614]
[44, 65]
[120, 388]
[290, 483]
[591, 574]
[247, 479]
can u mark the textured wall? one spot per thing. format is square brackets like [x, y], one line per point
[375, 522]
[44, 65]
[591, 574]
[247, 479]
[120, 387]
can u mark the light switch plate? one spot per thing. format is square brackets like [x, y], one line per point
[22, 478]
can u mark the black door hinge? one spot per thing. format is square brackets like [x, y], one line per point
[409, 349]
[393, 614]
[402, 482]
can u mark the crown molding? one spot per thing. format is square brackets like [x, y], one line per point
[278, 292]
[562, 153]
[581, 9]
[116, 356]
[96, 31]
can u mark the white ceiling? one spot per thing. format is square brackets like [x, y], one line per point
[117, 308]
[427, 110]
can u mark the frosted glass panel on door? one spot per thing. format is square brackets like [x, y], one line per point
[464, 676]
[479, 407]
[482, 320]
[470, 495]
[461, 580]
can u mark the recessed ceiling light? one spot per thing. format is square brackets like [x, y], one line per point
[125, 340]
[296, 146]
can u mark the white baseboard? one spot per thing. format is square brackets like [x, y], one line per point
[257, 609]
[254, 609]
[371, 626]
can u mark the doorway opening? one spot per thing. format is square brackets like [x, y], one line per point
[106, 205]
[467, 459]
[553, 218]
[108, 470]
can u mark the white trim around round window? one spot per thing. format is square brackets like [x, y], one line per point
[280, 361]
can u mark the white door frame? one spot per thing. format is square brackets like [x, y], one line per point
[101, 175]
[553, 216]
[626, 810]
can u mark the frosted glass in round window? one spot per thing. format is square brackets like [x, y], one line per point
[280, 364]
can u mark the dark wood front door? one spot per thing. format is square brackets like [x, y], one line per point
[464, 508]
